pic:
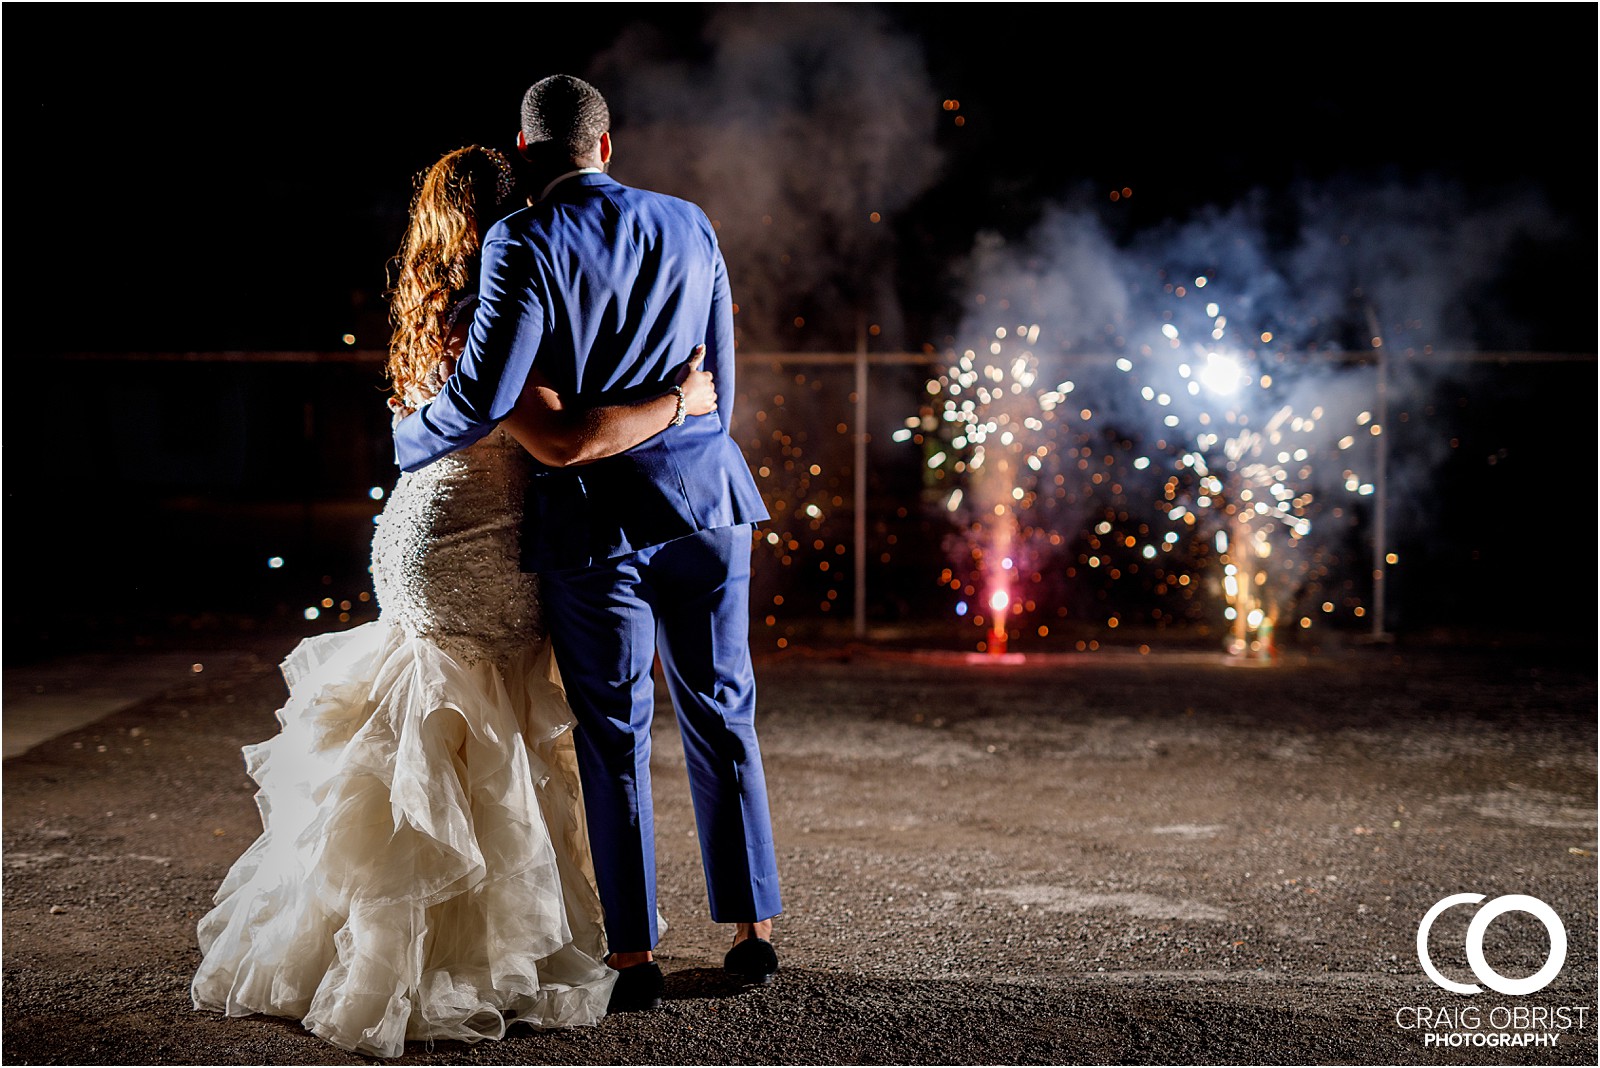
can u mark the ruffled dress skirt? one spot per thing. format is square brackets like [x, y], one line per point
[423, 870]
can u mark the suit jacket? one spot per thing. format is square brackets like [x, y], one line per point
[606, 289]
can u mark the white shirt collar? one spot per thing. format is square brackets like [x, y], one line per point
[569, 174]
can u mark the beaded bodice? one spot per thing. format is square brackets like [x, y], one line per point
[446, 553]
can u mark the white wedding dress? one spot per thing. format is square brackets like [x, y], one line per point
[423, 870]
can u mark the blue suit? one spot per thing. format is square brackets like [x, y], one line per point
[606, 290]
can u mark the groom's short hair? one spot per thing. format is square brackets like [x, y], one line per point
[566, 113]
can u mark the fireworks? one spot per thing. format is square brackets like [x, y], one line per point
[1210, 481]
[1241, 467]
[991, 432]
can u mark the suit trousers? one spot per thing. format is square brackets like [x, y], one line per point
[688, 602]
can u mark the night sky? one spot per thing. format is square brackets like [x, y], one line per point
[235, 176]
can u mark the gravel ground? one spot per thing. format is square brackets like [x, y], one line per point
[1077, 859]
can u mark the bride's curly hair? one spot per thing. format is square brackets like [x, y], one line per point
[455, 201]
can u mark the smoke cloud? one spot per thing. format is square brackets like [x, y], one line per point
[1292, 284]
[801, 129]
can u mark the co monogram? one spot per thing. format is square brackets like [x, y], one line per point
[1480, 923]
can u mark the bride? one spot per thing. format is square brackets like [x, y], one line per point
[423, 870]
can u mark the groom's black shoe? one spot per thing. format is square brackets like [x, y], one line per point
[638, 987]
[753, 960]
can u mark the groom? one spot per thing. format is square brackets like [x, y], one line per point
[605, 290]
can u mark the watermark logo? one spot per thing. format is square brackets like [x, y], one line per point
[1475, 1023]
[1475, 931]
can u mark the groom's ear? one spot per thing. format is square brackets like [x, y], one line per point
[605, 148]
[522, 143]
